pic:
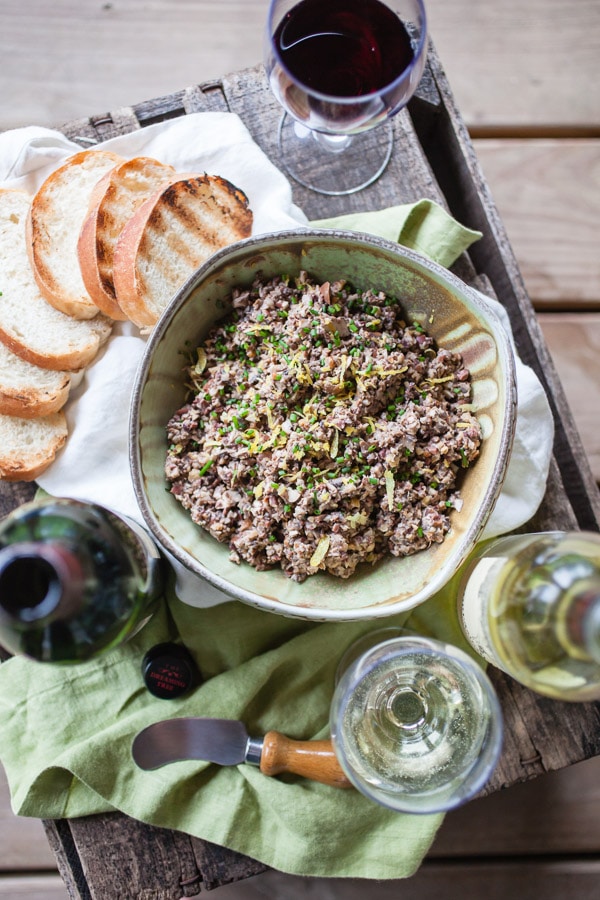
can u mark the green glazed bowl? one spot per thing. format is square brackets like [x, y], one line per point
[453, 314]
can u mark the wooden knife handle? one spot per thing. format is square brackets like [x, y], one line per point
[311, 759]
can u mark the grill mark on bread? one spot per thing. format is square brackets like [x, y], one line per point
[232, 206]
[106, 224]
[171, 266]
[186, 211]
[237, 209]
[177, 229]
[115, 200]
[108, 286]
[104, 254]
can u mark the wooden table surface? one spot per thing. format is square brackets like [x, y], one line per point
[536, 136]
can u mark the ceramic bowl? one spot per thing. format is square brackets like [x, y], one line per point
[456, 317]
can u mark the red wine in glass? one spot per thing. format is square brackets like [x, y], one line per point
[344, 48]
[339, 68]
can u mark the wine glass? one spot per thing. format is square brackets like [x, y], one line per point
[339, 68]
[415, 722]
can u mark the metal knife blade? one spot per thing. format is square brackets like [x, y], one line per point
[226, 742]
[222, 741]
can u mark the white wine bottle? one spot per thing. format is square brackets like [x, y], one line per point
[530, 605]
[76, 580]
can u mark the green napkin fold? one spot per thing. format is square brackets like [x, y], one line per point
[67, 731]
[423, 226]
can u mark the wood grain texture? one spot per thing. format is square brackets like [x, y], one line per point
[574, 343]
[522, 65]
[553, 814]
[468, 880]
[74, 58]
[33, 887]
[110, 856]
[548, 194]
[23, 842]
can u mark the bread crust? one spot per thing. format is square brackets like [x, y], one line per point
[41, 441]
[98, 290]
[54, 222]
[63, 344]
[116, 197]
[211, 213]
[31, 402]
[29, 391]
[68, 360]
[128, 294]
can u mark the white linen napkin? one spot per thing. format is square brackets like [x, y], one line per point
[94, 465]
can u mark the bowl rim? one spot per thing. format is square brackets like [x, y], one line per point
[506, 355]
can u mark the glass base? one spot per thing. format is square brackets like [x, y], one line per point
[334, 164]
[415, 722]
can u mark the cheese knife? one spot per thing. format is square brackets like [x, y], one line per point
[227, 742]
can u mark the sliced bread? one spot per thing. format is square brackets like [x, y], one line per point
[114, 200]
[172, 233]
[29, 326]
[57, 214]
[28, 446]
[28, 390]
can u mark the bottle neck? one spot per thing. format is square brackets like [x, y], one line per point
[39, 583]
[582, 619]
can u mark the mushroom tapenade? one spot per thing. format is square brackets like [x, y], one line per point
[323, 431]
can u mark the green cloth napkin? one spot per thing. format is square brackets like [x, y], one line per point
[67, 736]
[423, 226]
[67, 731]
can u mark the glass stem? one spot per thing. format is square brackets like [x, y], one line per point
[333, 143]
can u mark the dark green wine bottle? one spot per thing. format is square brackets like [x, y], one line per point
[76, 580]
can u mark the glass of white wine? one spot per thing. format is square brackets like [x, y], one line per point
[415, 722]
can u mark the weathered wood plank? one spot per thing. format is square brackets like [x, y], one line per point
[540, 735]
[119, 855]
[558, 813]
[521, 64]
[526, 879]
[470, 880]
[23, 842]
[548, 194]
[457, 169]
[408, 176]
[115, 852]
[65, 60]
[33, 887]
[574, 343]
[77, 57]
[555, 814]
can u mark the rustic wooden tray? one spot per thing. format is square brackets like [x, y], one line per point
[111, 855]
